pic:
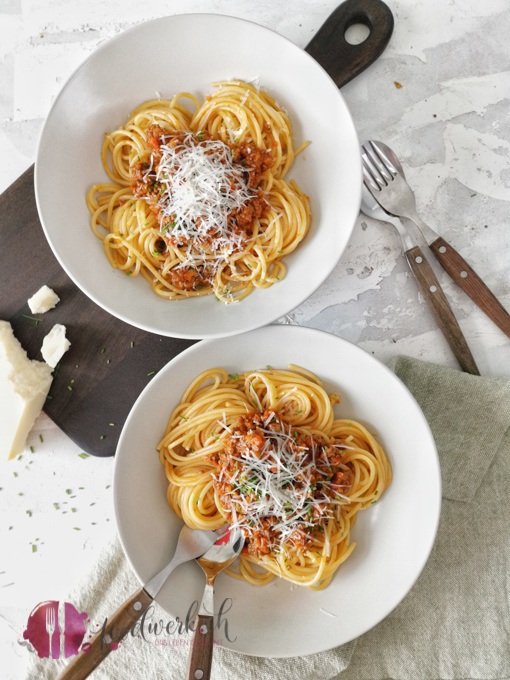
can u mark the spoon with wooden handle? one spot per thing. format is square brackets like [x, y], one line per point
[191, 543]
[427, 280]
[397, 198]
[215, 560]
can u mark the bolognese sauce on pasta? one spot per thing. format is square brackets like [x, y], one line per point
[263, 451]
[197, 202]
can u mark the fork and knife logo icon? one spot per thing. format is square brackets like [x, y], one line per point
[51, 619]
[56, 629]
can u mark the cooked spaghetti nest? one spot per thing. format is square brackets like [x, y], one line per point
[197, 201]
[263, 451]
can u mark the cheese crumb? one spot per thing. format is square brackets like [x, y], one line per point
[55, 345]
[24, 386]
[42, 301]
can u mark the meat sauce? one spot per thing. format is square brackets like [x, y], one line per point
[253, 161]
[250, 458]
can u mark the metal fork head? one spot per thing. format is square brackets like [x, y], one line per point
[378, 170]
[385, 183]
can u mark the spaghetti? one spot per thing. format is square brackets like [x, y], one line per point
[198, 202]
[264, 451]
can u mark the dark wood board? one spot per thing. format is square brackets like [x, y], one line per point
[110, 362]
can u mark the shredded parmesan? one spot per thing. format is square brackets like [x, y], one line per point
[279, 481]
[201, 186]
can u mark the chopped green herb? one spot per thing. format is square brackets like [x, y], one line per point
[233, 376]
[83, 455]
[32, 318]
[34, 548]
[41, 438]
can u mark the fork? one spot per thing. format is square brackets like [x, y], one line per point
[383, 176]
[50, 628]
[426, 279]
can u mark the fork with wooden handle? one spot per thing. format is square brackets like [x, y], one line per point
[384, 177]
[426, 279]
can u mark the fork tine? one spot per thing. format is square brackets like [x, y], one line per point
[371, 172]
[369, 179]
[384, 158]
[50, 617]
[377, 162]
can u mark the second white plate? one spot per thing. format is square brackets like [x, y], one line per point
[394, 537]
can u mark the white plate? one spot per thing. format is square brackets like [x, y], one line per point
[170, 55]
[394, 537]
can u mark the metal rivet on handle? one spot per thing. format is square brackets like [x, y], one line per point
[203, 629]
[419, 259]
[199, 674]
[107, 639]
[442, 249]
[464, 275]
[137, 606]
[432, 289]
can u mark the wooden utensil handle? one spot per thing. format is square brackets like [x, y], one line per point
[108, 637]
[340, 59]
[471, 283]
[439, 305]
[200, 659]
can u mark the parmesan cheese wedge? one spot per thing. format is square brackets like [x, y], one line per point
[43, 300]
[24, 386]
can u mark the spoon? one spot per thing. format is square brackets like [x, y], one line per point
[191, 543]
[428, 282]
[403, 204]
[215, 560]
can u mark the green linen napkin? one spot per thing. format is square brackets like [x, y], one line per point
[455, 622]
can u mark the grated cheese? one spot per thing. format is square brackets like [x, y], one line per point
[276, 482]
[200, 187]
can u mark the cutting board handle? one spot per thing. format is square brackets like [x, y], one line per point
[340, 59]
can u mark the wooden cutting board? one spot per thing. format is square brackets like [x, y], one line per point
[110, 362]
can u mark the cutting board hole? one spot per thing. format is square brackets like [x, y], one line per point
[356, 34]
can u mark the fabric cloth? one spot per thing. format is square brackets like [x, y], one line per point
[455, 622]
